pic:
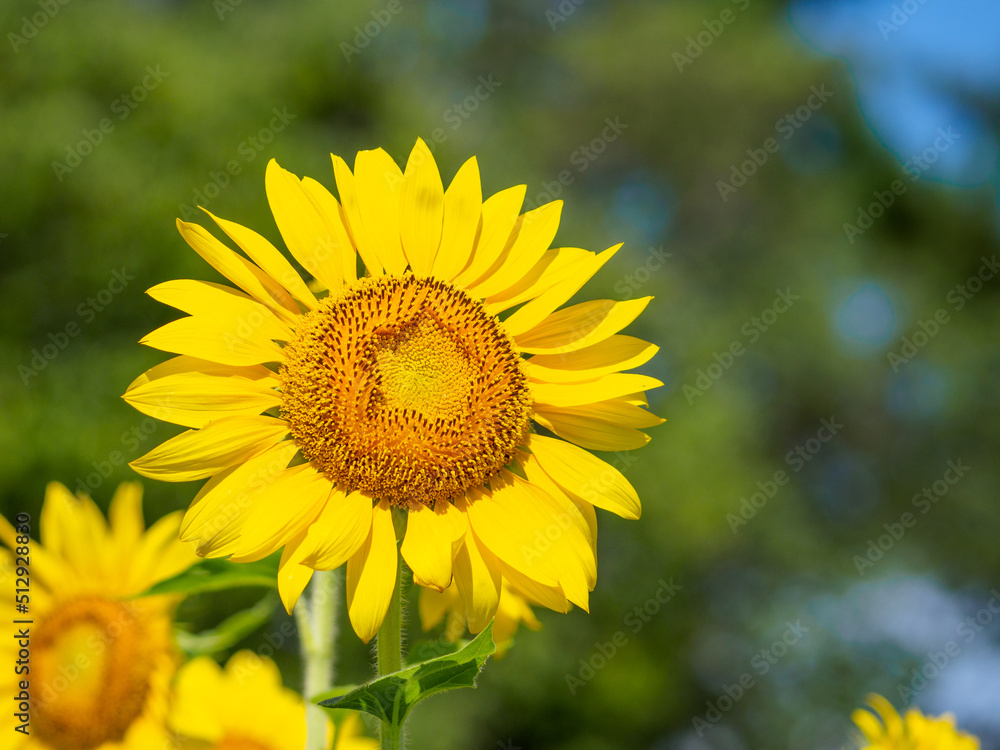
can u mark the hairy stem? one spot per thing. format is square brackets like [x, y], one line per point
[390, 642]
[317, 620]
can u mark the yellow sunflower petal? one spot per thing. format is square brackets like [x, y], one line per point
[894, 728]
[336, 237]
[229, 493]
[593, 434]
[205, 299]
[463, 209]
[551, 597]
[545, 304]
[371, 575]
[379, 184]
[535, 235]
[214, 339]
[351, 215]
[615, 385]
[513, 610]
[238, 270]
[293, 576]
[193, 392]
[82, 531]
[350, 737]
[868, 724]
[198, 454]
[626, 411]
[198, 687]
[270, 260]
[304, 231]
[477, 577]
[555, 265]
[614, 354]
[434, 605]
[421, 209]
[580, 325]
[585, 476]
[288, 501]
[500, 215]
[523, 526]
[160, 555]
[537, 476]
[339, 531]
[433, 538]
[51, 532]
[125, 516]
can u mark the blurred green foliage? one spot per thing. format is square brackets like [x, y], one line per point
[207, 122]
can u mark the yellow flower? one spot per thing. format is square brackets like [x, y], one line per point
[246, 707]
[100, 663]
[914, 731]
[512, 610]
[312, 418]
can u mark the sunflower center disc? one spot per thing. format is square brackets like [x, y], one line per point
[404, 388]
[239, 742]
[91, 668]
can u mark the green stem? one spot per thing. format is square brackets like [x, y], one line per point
[317, 620]
[389, 644]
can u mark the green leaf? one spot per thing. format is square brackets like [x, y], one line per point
[426, 650]
[216, 575]
[230, 631]
[390, 698]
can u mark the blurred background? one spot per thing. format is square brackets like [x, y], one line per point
[808, 188]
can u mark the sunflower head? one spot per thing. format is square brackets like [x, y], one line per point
[246, 707]
[448, 381]
[425, 401]
[913, 731]
[101, 662]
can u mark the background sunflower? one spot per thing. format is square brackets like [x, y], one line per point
[779, 317]
[98, 662]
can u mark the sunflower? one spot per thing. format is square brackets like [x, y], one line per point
[513, 610]
[245, 707]
[914, 731]
[100, 664]
[412, 385]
